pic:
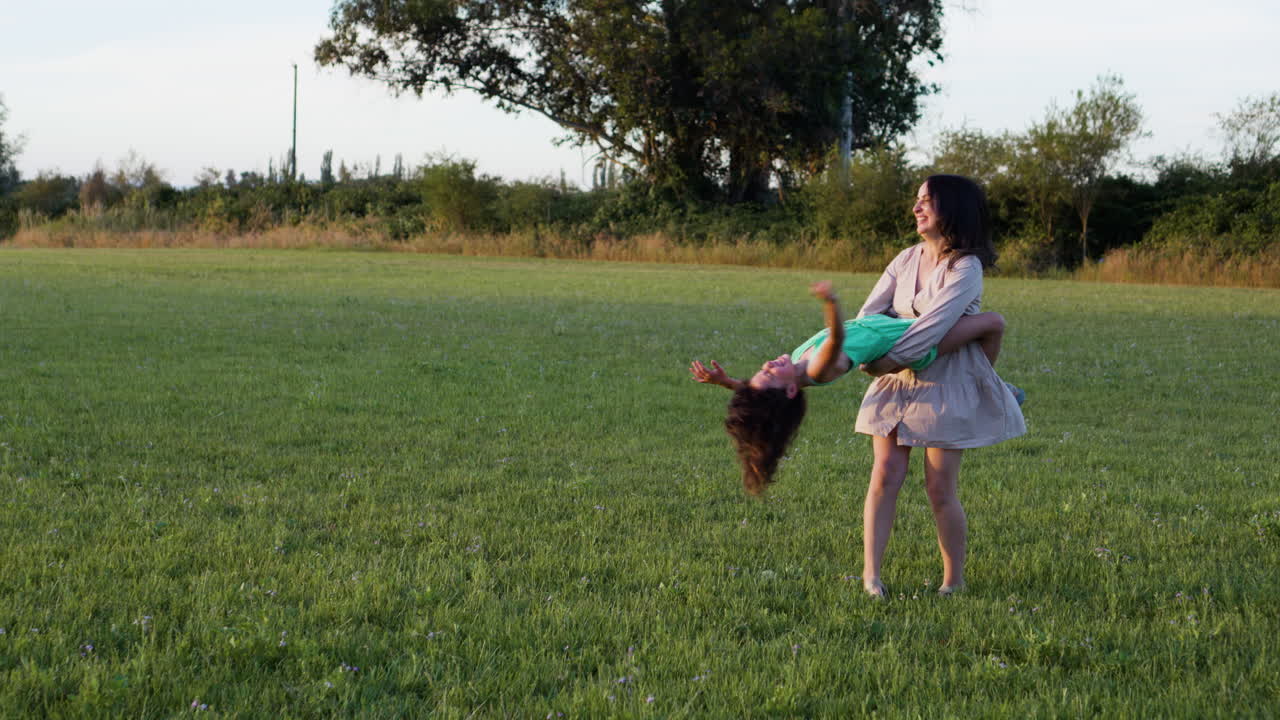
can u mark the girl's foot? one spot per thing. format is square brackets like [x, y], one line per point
[1019, 395]
[875, 588]
[949, 590]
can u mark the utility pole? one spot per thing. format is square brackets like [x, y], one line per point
[293, 149]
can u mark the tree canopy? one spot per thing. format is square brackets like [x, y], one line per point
[703, 97]
[1252, 135]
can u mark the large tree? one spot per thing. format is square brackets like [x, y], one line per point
[700, 96]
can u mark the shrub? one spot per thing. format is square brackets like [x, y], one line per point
[456, 198]
[48, 194]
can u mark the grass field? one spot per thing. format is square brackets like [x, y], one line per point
[310, 484]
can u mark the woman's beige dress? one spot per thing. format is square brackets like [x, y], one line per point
[956, 402]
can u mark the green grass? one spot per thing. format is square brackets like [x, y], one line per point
[491, 487]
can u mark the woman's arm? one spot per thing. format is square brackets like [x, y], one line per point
[961, 286]
[829, 362]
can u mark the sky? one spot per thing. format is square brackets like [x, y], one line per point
[194, 85]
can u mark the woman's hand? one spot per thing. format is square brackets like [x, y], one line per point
[880, 366]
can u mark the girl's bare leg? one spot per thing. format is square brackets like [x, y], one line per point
[888, 471]
[986, 329]
[941, 478]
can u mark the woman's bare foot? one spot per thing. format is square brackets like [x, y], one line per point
[875, 588]
[949, 590]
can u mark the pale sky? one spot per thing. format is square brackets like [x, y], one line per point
[189, 85]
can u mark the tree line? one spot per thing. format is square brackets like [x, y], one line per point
[1045, 218]
[771, 120]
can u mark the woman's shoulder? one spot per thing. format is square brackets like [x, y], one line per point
[906, 256]
[968, 265]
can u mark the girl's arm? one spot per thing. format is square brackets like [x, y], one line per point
[829, 362]
[714, 376]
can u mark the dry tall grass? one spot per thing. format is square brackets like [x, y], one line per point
[659, 248]
[302, 237]
[1185, 267]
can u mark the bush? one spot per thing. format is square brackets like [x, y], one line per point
[49, 195]
[872, 209]
[1238, 222]
[455, 197]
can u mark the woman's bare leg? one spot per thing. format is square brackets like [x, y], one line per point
[941, 479]
[888, 471]
[986, 329]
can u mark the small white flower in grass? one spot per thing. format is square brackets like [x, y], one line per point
[328, 684]
[649, 699]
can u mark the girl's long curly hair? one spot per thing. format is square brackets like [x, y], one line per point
[762, 424]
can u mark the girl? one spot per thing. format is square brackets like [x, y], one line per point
[765, 412]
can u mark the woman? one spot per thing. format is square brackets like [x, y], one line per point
[957, 402]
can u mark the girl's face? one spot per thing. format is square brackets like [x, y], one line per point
[779, 373]
[926, 213]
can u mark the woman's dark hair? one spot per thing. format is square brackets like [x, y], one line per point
[762, 424]
[965, 220]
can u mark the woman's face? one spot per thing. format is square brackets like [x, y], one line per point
[926, 213]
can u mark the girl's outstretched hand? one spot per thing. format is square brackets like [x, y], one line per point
[716, 375]
[823, 290]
